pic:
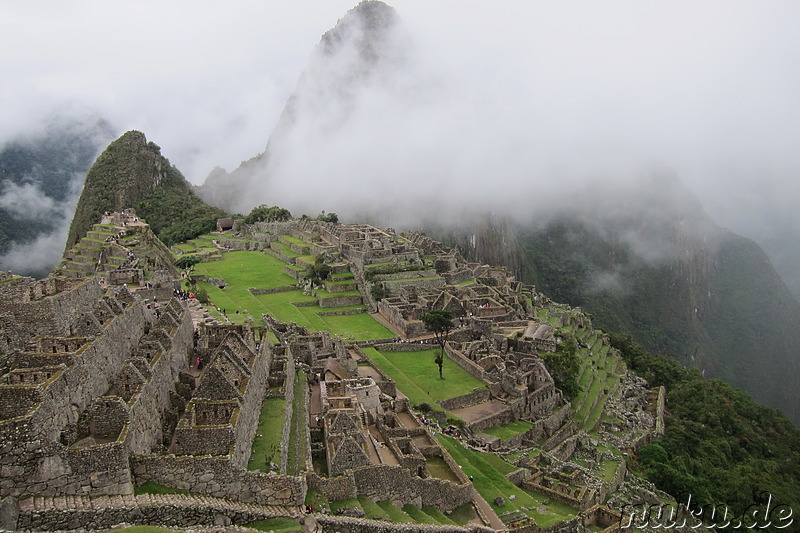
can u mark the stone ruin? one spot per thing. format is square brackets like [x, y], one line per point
[100, 392]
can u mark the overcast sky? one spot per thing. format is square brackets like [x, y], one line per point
[708, 89]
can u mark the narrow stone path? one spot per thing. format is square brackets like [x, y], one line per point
[487, 512]
[187, 501]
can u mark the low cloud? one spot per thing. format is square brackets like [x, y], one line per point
[27, 201]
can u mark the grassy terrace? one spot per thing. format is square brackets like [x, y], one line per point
[489, 472]
[266, 445]
[594, 379]
[285, 249]
[294, 240]
[417, 376]
[297, 437]
[509, 430]
[244, 270]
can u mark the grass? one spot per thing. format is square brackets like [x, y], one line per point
[608, 470]
[268, 435]
[144, 529]
[463, 514]
[490, 483]
[294, 240]
[509, 430]
[416, 374]
[396, 514]
[439, 468]
[419, 515]
[297, 440]
[351, 503]
[244, 270]
[437, 515]
[317, 500]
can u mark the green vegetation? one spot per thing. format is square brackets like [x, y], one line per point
[490, 483]
[262, 213]
[298, 438]
[412, 373]
[439, 322]
[266, 444]
[745, 332]
[144, 529]
[564, 365]
[187, 261]
[329, 217]
[152, 186]
[509, 430]
[719, 446]
[244, 270]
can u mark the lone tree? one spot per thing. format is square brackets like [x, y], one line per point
[186, 262]
[439, 322]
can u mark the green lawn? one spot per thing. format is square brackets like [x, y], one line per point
[417, 375]
[490, 483]
[266, 445]
[244, 270]
[297, 438]
[419, 515]
[509, 430]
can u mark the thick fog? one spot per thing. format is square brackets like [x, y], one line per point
[513, 107]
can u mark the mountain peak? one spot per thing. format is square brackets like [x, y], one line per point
[131, 172]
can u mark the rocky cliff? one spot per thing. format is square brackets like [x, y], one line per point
[669, 276]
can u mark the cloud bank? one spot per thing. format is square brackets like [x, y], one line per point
[518, 105]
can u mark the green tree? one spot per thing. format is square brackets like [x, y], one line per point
[439, 322]
[262, 213]
[318, 272]
[187, 261]
[330, 217]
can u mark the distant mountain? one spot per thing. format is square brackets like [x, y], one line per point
[131, 172]
[346, 57]
[40, 178]
[642, 257]
[648, 261]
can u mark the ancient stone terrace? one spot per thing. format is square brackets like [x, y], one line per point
[373, 445]
[80, 400]
[468, 304]
[361, 244]
[222, 415]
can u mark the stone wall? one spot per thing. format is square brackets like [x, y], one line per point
[343, 524]
[505, 416]
[474, 369]
[250, 409]
[287, 418]
[147, 407]
[395, 483]
[217, 476]
[466, 400]
[411, 274]
[424, 283]
[341, 287]
[403, 347]
[51, 314]
[340, 301]
[177, 511]
[334, 488]
[257, 292]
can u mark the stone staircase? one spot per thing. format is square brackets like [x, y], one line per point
[57, 512]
